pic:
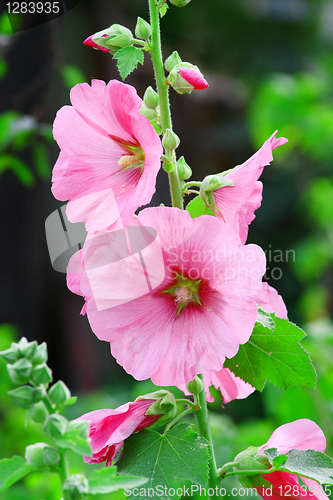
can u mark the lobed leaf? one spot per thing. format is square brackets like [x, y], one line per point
[12, 470]
[167, 460]
[128, 59]
[275, 356]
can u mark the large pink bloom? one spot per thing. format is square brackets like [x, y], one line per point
[237, 204]
[201, 310]
[109, 428]
[110, 154]
[302, 434]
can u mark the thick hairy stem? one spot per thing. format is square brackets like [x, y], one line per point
[163, 95]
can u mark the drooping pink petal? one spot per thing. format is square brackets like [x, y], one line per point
[236, 204]
[271, 301]
[194, 78]
[109, 428]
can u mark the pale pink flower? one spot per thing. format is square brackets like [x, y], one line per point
[199, 313]
[110, 154]
[109, 428]
[302, 434]
[236, 204]
[194, 78]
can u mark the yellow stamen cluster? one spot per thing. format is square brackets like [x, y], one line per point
[130, 160]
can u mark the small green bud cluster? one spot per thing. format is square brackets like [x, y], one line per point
[143, 30]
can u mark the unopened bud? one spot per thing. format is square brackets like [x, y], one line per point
[148, 113]
[59, 393]
[40, 355]
[172, 61]
[170, 140]
[195, 386]
[41, 374]
[143, 30]
[23, 396]
[39, 413]
[150, 98]
[42, 455]
[30, 350]
[10, 355]
[55, 425]
[75, 487]
[180, 3]
[186, 77]
[82, 427]
[20, 371]
[165, 403]
[111, 39]
[184, 170]
[250, 460]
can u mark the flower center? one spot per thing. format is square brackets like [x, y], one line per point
[184, 291]
[128, 161]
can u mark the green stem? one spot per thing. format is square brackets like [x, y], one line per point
[162, 90]
[187, 402]
[251, 472]
[63, 466]
[227, 466]
[204, 431]
[191, 183]
[178, 417]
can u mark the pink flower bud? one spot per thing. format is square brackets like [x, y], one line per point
[194, 78]
[90, 42]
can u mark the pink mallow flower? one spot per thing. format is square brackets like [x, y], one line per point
[194, 78]
[110, 154]
[235, 204]
[302, 434]
[109, 428]
[200, 304]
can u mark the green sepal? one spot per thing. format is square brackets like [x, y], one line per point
[179, 3]
[55, 425]
[150, 98]
[170, 140]
[143, 30]
[172, 61]
[184, 170]
[42, 455]
[76, 437]
[41, 374]
[23, 396]
[75, 487]
[20, 371]
[10, 355]
[195, 386]
[59, 393]
[250, 460]
[148, 112]
[38, 413]
[40, 356]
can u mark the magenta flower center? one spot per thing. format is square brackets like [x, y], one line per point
[184, 291]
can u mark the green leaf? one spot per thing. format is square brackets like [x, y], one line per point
[168, 460]
[105, 481]
[196, 208]
[265, 318]
[163, 9]
[12, 470]
[307, 463]
[128, 59]
[274, 458]
[72, 440]
[275, 356]
[18, 167]
[41, 161]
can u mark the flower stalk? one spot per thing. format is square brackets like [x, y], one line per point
[163, 91]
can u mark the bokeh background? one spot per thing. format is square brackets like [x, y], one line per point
[269, 64]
